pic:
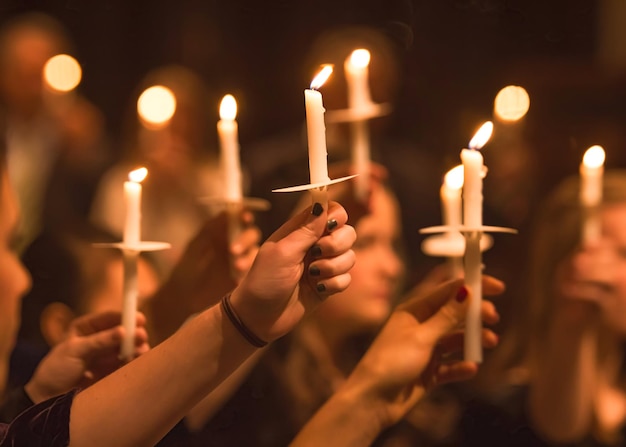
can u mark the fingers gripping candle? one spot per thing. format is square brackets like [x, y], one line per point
[316, 135]
[473, 220]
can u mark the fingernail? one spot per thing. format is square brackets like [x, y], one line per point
[316, 251]
[314, 271]
[317, 209]
[461, 295]
[321, 287]
[331, 224]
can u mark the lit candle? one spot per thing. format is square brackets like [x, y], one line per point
[591, 172]
[316, 131]
[132, 198]
[356, 69]
[473, 219]
[451, 210]
[227, 132]
[132, 239]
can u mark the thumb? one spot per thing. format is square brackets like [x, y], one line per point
[449, 317]
[98, 342]
[303, 230]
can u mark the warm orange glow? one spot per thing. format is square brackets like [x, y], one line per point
[138, 175]
[511, 103]
[594, 157]
[321, 77]
[62, 73]
[454, 177]
[156, 105]
[228, 108]
[481, 136]
[360, 58]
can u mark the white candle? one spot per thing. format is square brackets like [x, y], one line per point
[229, 145]
[591, 173]
[132, 198]
[316, 131]
[357, 74]
[451, 210]
[473, 218]
[132, 238]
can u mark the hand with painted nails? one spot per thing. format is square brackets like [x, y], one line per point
[300, 265]
[89, 352]
[413, 352]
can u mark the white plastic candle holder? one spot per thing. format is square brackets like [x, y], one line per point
[367, 112]
[318, 190]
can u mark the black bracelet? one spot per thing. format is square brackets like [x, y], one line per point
[241, 327]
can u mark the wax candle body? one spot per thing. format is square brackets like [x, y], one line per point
[473, 218]
[451, 216]
[591, 178]
[231, 167]
[129, 306]
[132, 225]
[316, 135]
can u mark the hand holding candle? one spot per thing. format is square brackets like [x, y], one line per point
[473, 220]
[316, 135]
[591, 174]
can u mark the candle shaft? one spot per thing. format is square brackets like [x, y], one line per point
[316, 135]
[231, 167]
[472, 188]
[132, 225]
[361, 157]
[590, 198]
[129, 309]
[473, 281]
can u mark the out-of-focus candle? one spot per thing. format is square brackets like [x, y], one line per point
[156, 106]
[132, 198]
[316, 129]
[451, 211]
[62, 73]
[591, 174]
[227, 131]
[356, 68]
[473, 219]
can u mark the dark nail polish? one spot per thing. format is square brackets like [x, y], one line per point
[317, 209]
[316, 251]
[461, 295]
[331, 224]
[321, 288]
[314, 271]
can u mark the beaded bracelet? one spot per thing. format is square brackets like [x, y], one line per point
[227, 307]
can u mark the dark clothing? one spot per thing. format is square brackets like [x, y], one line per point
[15, 402]
[43, 425]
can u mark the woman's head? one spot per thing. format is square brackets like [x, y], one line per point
[558, 236]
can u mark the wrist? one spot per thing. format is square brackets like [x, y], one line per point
[231, 314]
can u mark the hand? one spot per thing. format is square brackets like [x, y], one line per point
[278, 289]
[89, 353]
[412, 352]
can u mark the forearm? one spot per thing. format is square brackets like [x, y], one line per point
[347, 419]
[562, 390]
[138, 404]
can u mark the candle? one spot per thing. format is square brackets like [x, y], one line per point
[473, 219]
[132, 239]
[591, 172]
[356, 69]
[227, 132]
[132, 198]
[316, 130]
[451, 210]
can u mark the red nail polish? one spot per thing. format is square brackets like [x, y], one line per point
[461, 295]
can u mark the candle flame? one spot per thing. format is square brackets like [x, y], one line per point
[321, 77]
[481, 137]
[594, 157]
[455, 177]
[228, 108]
[62, 73]
[138, 175]
[511, 103]
[156, 105]
[360, 58]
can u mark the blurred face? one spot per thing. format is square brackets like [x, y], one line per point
[14, 280]
[614, 228]
[368, 301]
